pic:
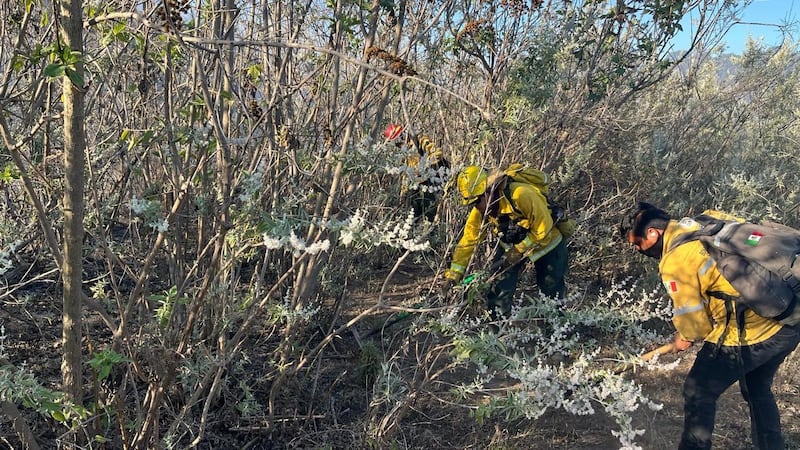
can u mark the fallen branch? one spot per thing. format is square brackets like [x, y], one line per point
[663, 350]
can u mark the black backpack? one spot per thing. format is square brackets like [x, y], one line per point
[761, 261]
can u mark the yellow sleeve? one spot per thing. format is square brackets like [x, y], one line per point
[466, 245]
[682, 270]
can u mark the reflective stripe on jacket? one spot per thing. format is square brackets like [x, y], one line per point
[531, 212]
[688, 273]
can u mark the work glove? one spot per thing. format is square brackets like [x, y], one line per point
[510, 257]
[445, 285]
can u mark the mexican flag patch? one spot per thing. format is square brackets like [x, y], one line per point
[672, 286]
[754, 238]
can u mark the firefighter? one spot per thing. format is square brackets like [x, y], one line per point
[737, 346]
[430, 170]
[525, 230]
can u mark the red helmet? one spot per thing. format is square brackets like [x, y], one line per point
[393, 131]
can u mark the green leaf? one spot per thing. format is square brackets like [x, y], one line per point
[9, 173]
[104, 372]
[119, 30]
[54, 70]
[74, 57]
[58, 416]
[17, 63]
[50, 406]
[76, 78]
[147, 136]
[254, 71]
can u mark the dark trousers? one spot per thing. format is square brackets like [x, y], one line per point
[716, 370]
[551, 269]
[424, 204]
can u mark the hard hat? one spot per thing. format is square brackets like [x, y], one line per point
[471, 184]
[393, 131]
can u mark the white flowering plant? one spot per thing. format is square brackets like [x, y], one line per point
[356, 231]
[424, 176]
[150, 212]
[6, 255]
[285, 314]
[252, 183]
[550, 354]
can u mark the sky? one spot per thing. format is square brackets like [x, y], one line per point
[777, 12]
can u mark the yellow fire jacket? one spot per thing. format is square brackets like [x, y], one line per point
[531, 212]
[434, 161]
[688, 273]
[429, 149]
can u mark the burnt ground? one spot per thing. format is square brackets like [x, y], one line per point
[32, 330]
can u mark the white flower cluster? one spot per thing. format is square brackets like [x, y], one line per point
[300, 313]
[160, 225]
[627, 299]
[140, 206]
[252, 183]
[578, 385]
[576, 389]
[5, 256]
[620, 398]
[654, 364]
[3, 336]
[541, 389]
[150, 211]
[201, 134]
[296, 244]
[351, 228]
[623, 308]
[424, 177]
[436, 178]
[357, 231]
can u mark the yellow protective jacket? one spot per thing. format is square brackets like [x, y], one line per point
[432, 153]
[688, 273]
[529, 210]
[434, 159]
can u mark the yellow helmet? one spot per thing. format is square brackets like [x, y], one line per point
[471, 184]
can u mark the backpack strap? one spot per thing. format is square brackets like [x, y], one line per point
[556, 216]
[507, 192]
[708, 229]
[788, 311]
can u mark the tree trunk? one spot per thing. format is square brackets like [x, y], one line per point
[71, 30]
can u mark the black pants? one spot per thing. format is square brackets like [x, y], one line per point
[551, 269]
[424, 204]
[713, 372]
